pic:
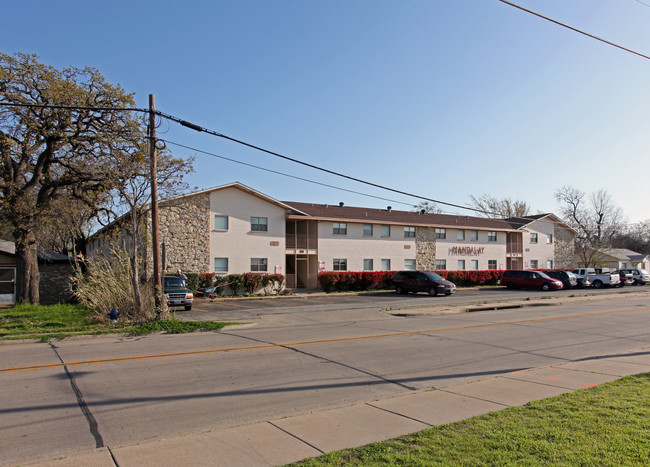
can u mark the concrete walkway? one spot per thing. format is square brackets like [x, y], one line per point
[297, 436]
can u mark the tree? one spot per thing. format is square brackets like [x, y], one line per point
[499, 208]
[635, 238]
[595, 217]
[47, 153]
[427, 207]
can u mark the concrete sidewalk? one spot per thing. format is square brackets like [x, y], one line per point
[297, 436]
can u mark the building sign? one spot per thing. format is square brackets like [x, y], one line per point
[321, 265]
[466, 250]
[274, 243]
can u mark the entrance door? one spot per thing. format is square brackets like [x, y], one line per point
[7, 285]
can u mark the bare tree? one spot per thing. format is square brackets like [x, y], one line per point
[427, 207]
[595, 217]
[499, 208]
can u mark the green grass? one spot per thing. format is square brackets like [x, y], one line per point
[604, 425]
[49, 322]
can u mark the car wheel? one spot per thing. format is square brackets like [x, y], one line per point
[545, 287]
[188, 307]
[433, 291]
[510, 285]
[598, 284]
[399, 290]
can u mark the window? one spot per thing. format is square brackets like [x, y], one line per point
[367, 230]
[461, 235]
[340, 264]
[533, 264]
[492, 236]
[461, 264]
[533, 238]
[220, 222]
[259, 224]
[221, 265]
[549, 238]
[473, 235]
[340, 228]
[549, 264]
[385, 265]
[441, 233]
[367, 265]
[474, 265]
[259, 264]
[385, 230]
[492, 264]
[409, 232]
[409, 264]
[441, 264]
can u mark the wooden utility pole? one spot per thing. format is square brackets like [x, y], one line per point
[155, 237]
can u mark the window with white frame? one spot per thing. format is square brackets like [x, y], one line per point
[461, 235]
[340, 228]
[385, 230]
[385, 264]
[220, 222]
[549, 264]
[533, 264]
[549, 238]
[340, 264]
[473, 235]
[409, 232]
[259, 224]
[474, 265]
[492, 263]
[409, 264]
[367, 230]
[221, 265]
[441, 264]
[368, 265]
[441, 233]
[259, 264]
[492, 236]
[461, 264]
[533, 238]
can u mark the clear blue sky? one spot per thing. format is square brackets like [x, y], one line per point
[445, 99]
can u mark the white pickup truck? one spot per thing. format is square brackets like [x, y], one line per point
[598, 277]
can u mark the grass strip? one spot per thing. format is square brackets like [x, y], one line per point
[607, 424]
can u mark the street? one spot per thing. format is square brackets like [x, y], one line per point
[87, 392]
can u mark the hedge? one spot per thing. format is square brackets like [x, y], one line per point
[341, 281]
[247, 283]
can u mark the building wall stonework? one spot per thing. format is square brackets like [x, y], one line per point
[184, 226]
[425, 248]
[564, 249]
[54, 286]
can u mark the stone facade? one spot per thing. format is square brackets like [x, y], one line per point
[184, 226]
[425, 249]
[564, 249]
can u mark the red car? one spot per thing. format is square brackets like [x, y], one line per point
[514, 279]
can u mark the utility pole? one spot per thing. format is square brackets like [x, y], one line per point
[155, 237]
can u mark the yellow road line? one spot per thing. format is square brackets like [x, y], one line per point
[320, 341]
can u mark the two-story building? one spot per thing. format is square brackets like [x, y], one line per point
[236, 229]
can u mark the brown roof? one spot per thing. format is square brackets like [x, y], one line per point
[333, 212]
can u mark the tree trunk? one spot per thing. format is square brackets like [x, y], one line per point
[27, 264]
[137, 293]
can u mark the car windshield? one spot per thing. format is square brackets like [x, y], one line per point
[174, 282]
[433, 276]
[545, 276]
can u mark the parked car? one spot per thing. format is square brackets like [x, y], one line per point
[641, 276]
[569, 280]
[177, 292]
[422, 281]
[627, 278]
[515, 279]
[599, 277]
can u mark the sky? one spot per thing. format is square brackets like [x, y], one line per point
[437, 98]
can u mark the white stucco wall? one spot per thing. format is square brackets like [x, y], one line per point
[451, 249]
[239, 244]
[541, 251]
[355, 247]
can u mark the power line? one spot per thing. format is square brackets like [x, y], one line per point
[74, 107]
[576, 29]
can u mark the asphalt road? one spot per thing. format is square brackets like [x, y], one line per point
[86, 392]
